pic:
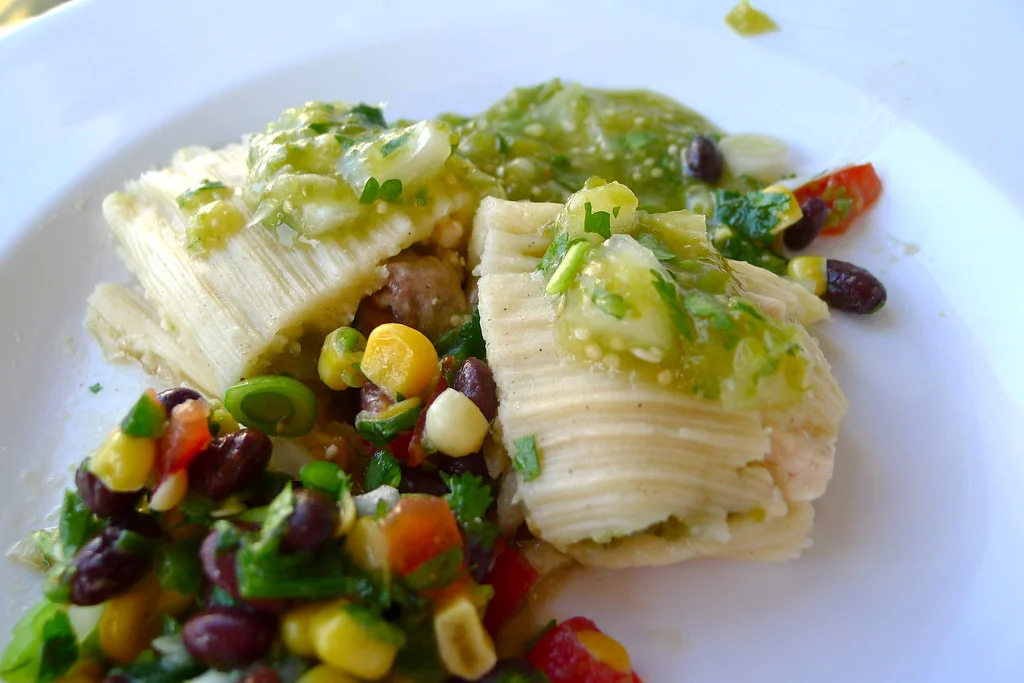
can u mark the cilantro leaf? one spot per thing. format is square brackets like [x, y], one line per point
[466, 341]
[661, 251]
[383, 470]
[77, 524]
[670, 297]
[554, 254]
[437, 572]
[60, 648]
[372, 114]
[470, 498]
[599, 223]
[370, 191]
[42, 647]
[610, 303]
[392, 145]
[391, 190]
[324, 476]
[755, 215]
[636, 139]
[700, 306]
[526, 461]
[178, 567]
[96, 388]
[319, 128]
[739, 248]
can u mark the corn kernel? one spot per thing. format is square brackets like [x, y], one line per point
[170, 492]
[325, 674]
[809, 271]
[224, 422]
[173, 603]
[465, 647]
[84, 671]
[793, 212]
[400, 360]
[454, 425]
[129, 622]
[123, 463]
[367, 544]
[343, 642]
[340, 358]
[606, 649]
[296, 629]
[347, 515]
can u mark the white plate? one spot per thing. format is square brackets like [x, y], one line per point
[915, 573]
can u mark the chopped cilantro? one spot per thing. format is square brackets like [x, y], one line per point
[700, 306]
[638, 139]
[77, 524]
[610, 303]
[599, 223]
[666, 289]
[466, 341]
[372, 114]
[502, 143]
[754, 215]
[326, 477]
[344, 141]
[469, 498]
[178, 567]
[553, 255]
[370, 191]
[615, 211]
[437, 572]
[375, 625]
[392, 145]
[526, 461]
[660, 250]
[421, 197]
[747, 307]
[391, 190]
[319, 128]
[842, 206]
[739, 248]
[383, 470]
[560, 161]
[42, 648]
[96, 388]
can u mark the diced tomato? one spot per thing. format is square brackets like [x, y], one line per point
[848, 192]
[400, 446]
[512, 578]
[576, 651]
[186, 436]
[418, 529]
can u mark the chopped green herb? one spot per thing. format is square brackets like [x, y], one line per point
[599, 223]
[375, 625]
[747, 307]
[610, 303]
[754, 215]
[391, 190]
[77, 523]
[151, 668]
[502, 143]
[178, 567]
[203, 193]
[43, 646]
[564, 275]
[421, 197]
[739, 248]
[469, 498]
[841, 207]
[748, 21]
[615, 211]
[380, 429]
[326, 477]
[660, 250]
[639, 139]
[465, 341]
[392, 145]
[319, 128]
[344, 141]
[383, 470]
[560, 161]
[382, 510]
[372, 114]
[96, 388]
[669, 295]
[437, 572]
[370, 191]
[553, 255]
[700, 306]
[526, 461]
[147, 419]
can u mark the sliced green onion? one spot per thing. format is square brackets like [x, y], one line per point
[274, 404]
[147, 419]
[381, 428]
[566, 271]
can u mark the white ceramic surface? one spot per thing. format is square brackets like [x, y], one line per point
[915, 574]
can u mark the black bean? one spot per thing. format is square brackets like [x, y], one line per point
[312, 522]
[480, 561]
[229, 637]
[140, 523]
[851, 288]
[230, 464]
[262, 674]
[373, 399]
[101, 570]
[473, 464]
[799, 235]
[221, 570]
[474, 379]
[703, 160]
[422, 480]
[101, 500]
[175, 397]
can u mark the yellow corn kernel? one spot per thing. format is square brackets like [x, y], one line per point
[400, 360]
[325, 674]
[809, 271]
[347, 515]
[84, 671]
[345, 643]
[454, 425]
[340, 358]
[296, 629]
[124, 463]
[606, 649]
[129, 622]
[222, 419]
[173, 603]
[170, 492]
[466, 648]
[367, 544]
[793, 212]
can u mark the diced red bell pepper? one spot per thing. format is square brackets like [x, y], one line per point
[576, 651]
[848, 192]
[186, 436]
[512, 578]
[415, 451]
